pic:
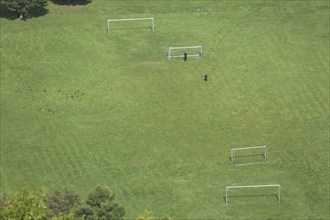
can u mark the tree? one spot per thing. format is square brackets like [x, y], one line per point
[101, 204]
[23, 7]
[25, 205]
[167, 218]
[86, 212]
[65, 217]
[146, 215]
[61, 203]
[3, 201]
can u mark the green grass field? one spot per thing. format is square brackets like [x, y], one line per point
[80, 108]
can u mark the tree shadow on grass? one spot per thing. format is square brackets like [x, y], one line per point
[37, 12]
[71, 2]
[33, 13]
[8, 14]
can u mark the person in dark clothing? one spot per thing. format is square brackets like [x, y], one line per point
[185, 55]
[205, 78]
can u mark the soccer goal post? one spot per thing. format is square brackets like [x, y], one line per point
[278, 186]
[255, 150]
[192, 51]
[132, 19]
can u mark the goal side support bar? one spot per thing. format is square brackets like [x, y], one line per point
[232, 152]
[132, 19]
[255, 186]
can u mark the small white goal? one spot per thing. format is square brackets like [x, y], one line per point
[131, 19]
[192, 51]
[278, 186]
[249, 155]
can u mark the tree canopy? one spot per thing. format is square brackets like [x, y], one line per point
[101, 204]
[61, 205]
[146, 215]
[25, 205]
[62, 202]
[65, 205]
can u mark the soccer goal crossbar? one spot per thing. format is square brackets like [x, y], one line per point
[255, 186]
[132, 19]
[234, 150]
[198, 54]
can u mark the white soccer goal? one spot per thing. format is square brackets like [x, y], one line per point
[131, 19]
[192, 51]
[278, 186]
[253, 151]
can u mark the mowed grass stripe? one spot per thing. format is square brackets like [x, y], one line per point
[152, 129]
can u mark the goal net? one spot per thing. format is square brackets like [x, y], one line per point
[192, 51]
[151, 23]
[250, 191]
[249, 155]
